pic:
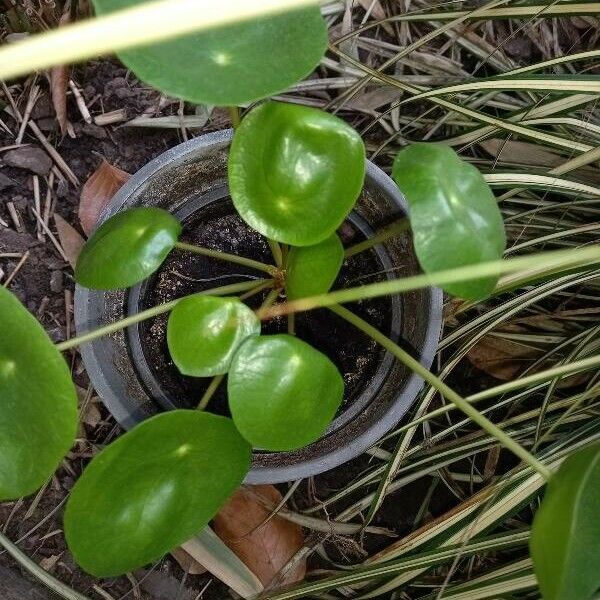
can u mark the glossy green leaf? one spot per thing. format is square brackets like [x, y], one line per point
[154, 488]
[565, 536]
[204, 332]
[311, 270]
[38, 402]
[454, 216]
[295, 172]
[233, 64]
[127, 248]
[282, 392]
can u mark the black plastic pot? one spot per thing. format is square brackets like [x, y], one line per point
[191, 178]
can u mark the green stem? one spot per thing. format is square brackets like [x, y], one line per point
[385, 234]
[223, 290]
[276, 252]
[285, 250]
[233, 258]
[556, 259]
[270, 299]
[210, 390]
[291, 324]
[448, 393]
[258, 289]
[234, 115]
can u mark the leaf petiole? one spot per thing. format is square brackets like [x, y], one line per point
[233, 258]
[391, 231]
[445, 390]
[223, 290]
[210, 390]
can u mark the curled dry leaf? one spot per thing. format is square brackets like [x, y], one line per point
[70, 239]
[59, 82]
[501, 358]
[265, 548]
[102, 185]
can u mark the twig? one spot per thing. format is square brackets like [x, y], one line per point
[110, 118]
[56, 157]
[16, 269]
[11, 101]
[80, 101]
[50, 235]
[48, 201]
[37, 203]
[34, 94]
[62, 165]
[14, 215]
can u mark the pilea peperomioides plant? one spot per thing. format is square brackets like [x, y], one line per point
[295, 173]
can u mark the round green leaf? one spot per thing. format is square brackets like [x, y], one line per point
[233, 64]
[153, 489]
[282, 392]
[565, 535]
[204, 332]
[311, 270]
[295, 172]
[127, 248]
[38, 402]
[454, 215]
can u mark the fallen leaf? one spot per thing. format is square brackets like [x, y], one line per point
[514, 152]
[102, 185]
[501, 358]
[59, 82]
[70, 239]
[187, 562]
[265, 548]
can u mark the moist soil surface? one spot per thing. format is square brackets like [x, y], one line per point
[217, 226]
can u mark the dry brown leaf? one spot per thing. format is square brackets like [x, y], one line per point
[505, 359]
[521, 153]
[59, 82]
[70, 239]
[265, 550]
[501, 358]
[102, 185]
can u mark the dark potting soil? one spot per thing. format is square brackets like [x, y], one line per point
[219, 227]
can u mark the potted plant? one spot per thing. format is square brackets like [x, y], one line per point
[133, 370]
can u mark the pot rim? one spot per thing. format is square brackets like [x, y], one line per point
[123, 410]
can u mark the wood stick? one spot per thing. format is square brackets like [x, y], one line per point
[34, 94]
[79, 100]
[16, 269]
[14, 215]
[38, 204]
[52, 237]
